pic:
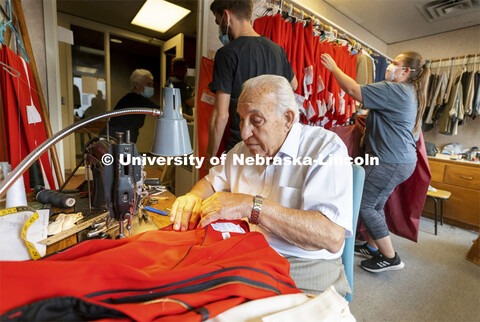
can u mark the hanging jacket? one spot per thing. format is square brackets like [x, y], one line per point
[440, 84]
[192, 275]
[449, 117]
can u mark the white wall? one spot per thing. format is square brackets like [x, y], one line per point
[33, 11]
[444, 45]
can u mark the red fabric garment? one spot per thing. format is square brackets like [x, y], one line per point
[315, 94]
[278, 30]
[205, 100]
[153, 275]
[309, 60]
[298, 56]
[288, 35]
[260, 24]
[18, 93]
[405, 205]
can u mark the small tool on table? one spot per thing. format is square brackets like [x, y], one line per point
[157, 211]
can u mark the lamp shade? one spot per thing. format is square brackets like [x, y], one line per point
[171, 133]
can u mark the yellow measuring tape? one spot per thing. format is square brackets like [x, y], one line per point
[34, 254]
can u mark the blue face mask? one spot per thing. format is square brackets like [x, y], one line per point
[148, 92]
[223, 38]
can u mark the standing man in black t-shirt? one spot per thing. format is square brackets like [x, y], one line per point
[245, 54]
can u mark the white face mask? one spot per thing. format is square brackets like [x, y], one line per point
[223, 37]
[390, 73]
[148, 92]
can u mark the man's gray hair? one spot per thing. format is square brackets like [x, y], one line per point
[137, 75]
[280, 88]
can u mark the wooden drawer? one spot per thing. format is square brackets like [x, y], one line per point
[437, 170]
[463, 205]
[462, 176]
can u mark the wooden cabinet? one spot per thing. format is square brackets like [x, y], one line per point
[462, 179]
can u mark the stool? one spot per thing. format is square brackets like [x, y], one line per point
[439, 195]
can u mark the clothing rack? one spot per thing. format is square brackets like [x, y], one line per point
[301, 12]
[458, 61]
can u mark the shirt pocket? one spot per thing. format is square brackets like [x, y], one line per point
[290, 197]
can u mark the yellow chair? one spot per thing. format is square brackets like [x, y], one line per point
[439, 195]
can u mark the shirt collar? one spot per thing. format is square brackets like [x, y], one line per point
[292, 142]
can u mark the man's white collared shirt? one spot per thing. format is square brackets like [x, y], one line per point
[326, 188]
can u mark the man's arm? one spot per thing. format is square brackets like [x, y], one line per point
[294, 82]
[186, 209]
[217, 124]
[309, 230]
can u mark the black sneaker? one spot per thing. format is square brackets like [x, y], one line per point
[380, 263]
[364, 251]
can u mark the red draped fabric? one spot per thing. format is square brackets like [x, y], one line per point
[23, 133]
[205, 101]
[404, 207]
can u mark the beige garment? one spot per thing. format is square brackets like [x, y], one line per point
[468, 106]
[453, 106]
[437, 93]
[329, 306]
[454, 71]
[370, 73]
[362, 69]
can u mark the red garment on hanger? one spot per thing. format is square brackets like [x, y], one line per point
[23, 134]
[298, 55]
[162, 275]
[205, 101]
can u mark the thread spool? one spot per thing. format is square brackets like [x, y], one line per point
[55, 198]
[16, 196]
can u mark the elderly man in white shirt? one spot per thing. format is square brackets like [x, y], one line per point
[299, 196]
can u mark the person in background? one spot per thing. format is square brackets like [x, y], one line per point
[304, 211]
[392, 127]
[179, 70]
[245, 54]
[141, 82]
[97, 106]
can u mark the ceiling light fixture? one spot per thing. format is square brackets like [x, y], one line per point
[159, 15]
[87, 70]
[115, 40]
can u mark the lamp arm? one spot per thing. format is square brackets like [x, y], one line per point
[35, 154]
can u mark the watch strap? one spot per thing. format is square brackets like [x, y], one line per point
[257, 208]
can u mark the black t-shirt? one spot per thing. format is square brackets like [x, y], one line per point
[132, 122]
[240, 60]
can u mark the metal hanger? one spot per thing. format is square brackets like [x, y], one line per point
[9, 23]
[9, 70]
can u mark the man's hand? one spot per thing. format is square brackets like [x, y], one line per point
[185, 212]
[225, 205]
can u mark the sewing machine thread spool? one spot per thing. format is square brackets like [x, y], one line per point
[16, 194]
[55, 198]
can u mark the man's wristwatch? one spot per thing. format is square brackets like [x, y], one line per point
[257, 207]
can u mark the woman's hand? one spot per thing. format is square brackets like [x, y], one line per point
[328, 62]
